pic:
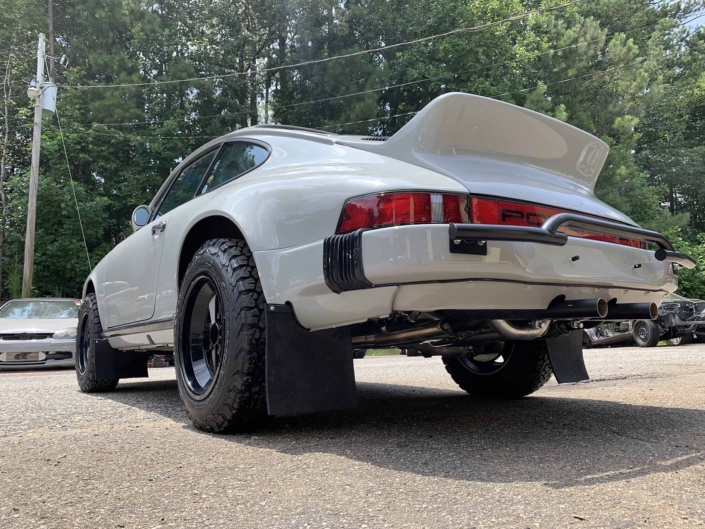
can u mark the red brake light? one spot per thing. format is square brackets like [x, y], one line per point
[397, 209]
[489, 211]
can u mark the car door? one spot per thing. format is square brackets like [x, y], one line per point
[132, 269]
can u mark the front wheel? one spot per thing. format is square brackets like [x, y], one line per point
[505, 370]
[89, 329]
[646, 333]
[220, 338]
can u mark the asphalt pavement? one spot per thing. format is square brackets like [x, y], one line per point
[626, 449]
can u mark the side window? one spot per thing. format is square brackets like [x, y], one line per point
[236, 158]
[186, 184]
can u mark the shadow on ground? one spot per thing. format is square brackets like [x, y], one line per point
[560, 442]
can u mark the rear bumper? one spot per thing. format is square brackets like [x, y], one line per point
[422, 254]
[352, 260]
[25, 354]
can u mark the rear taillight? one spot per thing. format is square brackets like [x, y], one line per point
[398, 209]
[490, 211]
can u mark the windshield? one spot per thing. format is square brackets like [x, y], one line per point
[35, 310]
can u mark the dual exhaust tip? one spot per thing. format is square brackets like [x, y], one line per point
[599, 309]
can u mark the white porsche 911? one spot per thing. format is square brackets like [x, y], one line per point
[271, 253]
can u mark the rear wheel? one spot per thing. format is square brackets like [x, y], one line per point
[89, 329]
[506, 370]
[220, 338]
[682, 340]
[646, 333]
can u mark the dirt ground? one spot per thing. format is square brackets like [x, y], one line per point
[626, 449]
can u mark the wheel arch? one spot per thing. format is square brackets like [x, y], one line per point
[210, 227]
[88, 288]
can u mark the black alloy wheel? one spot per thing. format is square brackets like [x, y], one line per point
[203, 336]
[488, 359]
[84, 340]
[504, 370]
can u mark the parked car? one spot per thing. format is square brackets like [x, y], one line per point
[273, 252]
[679, 321]
[609, 335]
[38, 333]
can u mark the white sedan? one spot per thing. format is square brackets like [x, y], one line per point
[37, 333]
[270, 253]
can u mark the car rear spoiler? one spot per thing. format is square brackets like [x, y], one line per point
[464, 124]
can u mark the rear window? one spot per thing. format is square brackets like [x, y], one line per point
[40, 310]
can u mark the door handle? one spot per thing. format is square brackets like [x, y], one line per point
[158, 227]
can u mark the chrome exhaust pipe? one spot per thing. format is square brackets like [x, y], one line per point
[632, 311]
[401, 337]
[510, 331]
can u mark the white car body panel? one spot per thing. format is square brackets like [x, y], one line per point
[129, 295]
[458, 144]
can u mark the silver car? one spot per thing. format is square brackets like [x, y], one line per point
[38, 332]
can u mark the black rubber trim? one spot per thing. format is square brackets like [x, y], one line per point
[139, 327]
[491, 232]
[342, 262]
[675, 257]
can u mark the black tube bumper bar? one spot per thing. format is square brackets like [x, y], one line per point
[548, 234]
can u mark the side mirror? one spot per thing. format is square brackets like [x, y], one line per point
[140, 216]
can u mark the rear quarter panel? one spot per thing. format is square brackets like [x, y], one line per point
[295, 198]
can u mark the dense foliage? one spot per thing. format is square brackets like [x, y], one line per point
[629, 71]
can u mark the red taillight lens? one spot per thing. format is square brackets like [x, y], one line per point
[489, 211]
[397, 209]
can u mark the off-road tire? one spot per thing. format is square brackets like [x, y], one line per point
[237, 401]
[527, 369]
[653, 335]
[684, 339]
[88, 319]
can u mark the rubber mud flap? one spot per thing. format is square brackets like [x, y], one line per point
[566, 355]
[307, 372]
[111, 363]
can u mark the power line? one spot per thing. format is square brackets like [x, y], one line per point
[73, 188]
[473, 29]
[175, 120]
[154, 136]
[384, 88]
[591, 74]
[442, 76]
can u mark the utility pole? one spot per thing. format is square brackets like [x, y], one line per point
[34, 173]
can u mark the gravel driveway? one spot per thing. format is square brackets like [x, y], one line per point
[626, 449]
